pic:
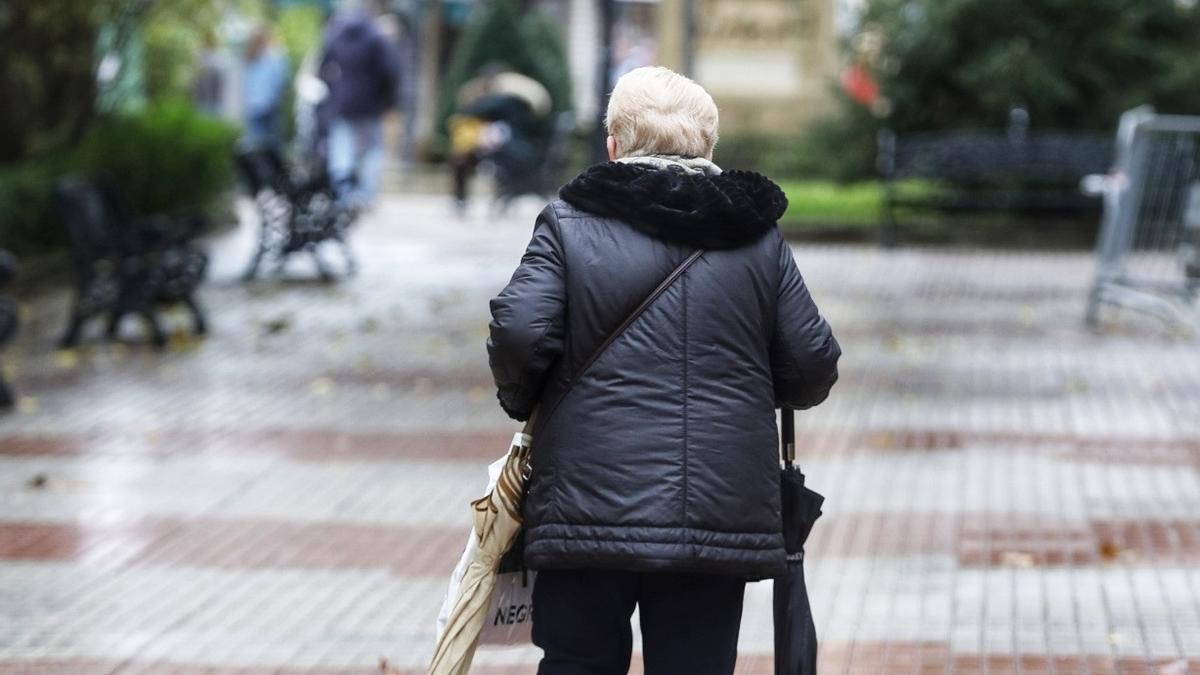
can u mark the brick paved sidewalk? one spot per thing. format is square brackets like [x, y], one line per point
[1007, 492]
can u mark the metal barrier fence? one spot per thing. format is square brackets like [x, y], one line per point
[1148, 251]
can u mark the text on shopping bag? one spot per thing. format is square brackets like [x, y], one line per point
[510, 615]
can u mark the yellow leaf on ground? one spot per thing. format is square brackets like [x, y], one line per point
[27, 405]
[1017, 559]
[66, 358]
[322, 386]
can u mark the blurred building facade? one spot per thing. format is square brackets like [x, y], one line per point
[768, 63]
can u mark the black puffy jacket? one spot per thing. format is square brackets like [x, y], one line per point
[664, 455]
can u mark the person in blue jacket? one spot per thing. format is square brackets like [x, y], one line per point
[263, 86]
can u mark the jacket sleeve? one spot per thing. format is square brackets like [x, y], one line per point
[804, 353]
[526, 331]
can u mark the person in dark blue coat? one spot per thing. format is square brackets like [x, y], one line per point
[361, 66]
[655, 477]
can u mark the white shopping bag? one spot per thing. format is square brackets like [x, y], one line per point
[510, 614]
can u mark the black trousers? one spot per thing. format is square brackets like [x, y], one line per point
[690, 622]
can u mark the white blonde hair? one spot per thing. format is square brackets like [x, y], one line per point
[656, 111]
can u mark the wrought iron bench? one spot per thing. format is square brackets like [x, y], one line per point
[1036, 174]
[294, 214]
[8, 321]
[124, 264]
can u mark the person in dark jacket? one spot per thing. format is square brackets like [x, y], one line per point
[361, 67]
[655, 475]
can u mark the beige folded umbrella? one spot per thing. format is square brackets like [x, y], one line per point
[497, 522]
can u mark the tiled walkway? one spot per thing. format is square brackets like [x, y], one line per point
[1008, 493]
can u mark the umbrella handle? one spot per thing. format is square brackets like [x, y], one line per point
[787, 438]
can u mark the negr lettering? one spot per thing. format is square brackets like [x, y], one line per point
[513, 614]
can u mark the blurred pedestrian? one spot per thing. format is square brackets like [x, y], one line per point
[361, 67]
[208, 84]
[655, 477]
[264, 84]
[498, 117]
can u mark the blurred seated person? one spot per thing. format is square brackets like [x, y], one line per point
[499, 116]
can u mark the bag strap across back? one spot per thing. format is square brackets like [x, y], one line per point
[616, 333]
[633, 316]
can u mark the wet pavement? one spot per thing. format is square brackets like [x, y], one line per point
[1007, 492]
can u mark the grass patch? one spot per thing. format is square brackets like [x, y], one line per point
[827, 211]
[829, 203]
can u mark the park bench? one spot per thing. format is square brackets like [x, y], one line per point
[8, 321]
[295, 214]
[124, 264]
[1031, 173]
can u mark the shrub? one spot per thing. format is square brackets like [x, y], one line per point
[829, 149]
[26, 223]
[168, 157]
[164, 158]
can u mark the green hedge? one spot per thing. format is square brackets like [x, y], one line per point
[828, 149]
[165, 158]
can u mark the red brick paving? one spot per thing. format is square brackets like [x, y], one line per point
[958, 364]
[976, 539]
[249, 544]
[238, 544]
[870, 658]
[308, 445]
[328, 445]
[94, 542]
[982, 540]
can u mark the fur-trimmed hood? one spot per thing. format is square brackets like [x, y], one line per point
[712, 211]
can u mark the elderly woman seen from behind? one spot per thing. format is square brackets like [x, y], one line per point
[655, 480]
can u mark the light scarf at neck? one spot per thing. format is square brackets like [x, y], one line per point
[697, 165]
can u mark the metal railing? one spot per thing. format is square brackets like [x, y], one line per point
[1148, 249]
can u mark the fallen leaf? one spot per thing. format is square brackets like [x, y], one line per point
[181, 340]
[66, 358]
[1017, 559]
[277, 325]
[1109, 550]
[322, 386]
[27, 405]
